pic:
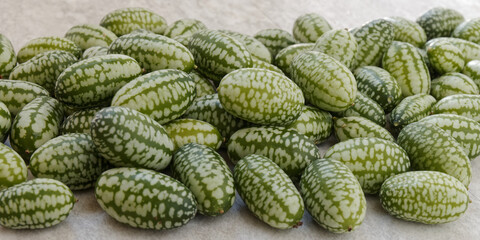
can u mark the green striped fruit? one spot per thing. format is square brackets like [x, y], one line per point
[445, 57]
[216, 54]
[440, 22]
[163, 95]
[464, 130]
[412, 109]
[184, 27]
[285, 57]
[472, 69]
[90, 35]
[451, 84]
[125, 20]
[333, 196]
[325, 82]
[268, 192]
[209, 109]
[367, 108]
[44, 68]
[94, 51]
[38, 122]
[207, 175]
[339, 44]
[79, 121]
[428, 197]
[309, 27]
[93, 81]
[467, 105]
[183, 131]
[431, 148]
[8, 59]
[254, 46]
[5, 122]
[371, 160]
[314, 123]
[153, 51]
[127, 138]
[35, 204]
[203, 86]
[13, 168]
[405, 63]
[470, 50]
[16, 94]
[261, 96]
[379, 85]
[45, 44]
[70, 159]
[257, 63]
[468, 30]
[275, 39]
[408, 31]
[359, 127]
[373, 39]
[183, 39]
[144, 198]
[290, 150]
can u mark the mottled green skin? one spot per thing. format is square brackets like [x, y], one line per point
[45, 44]
[261, 96]
[13, 168]
[405, 63]
[290, 150]
[367, 108]
[408, 31]
[275, 39]
[285, 57]
[184, 27]
[440, 22]
[209, 109]
[153, 51]
[127, 138]
[203, 86]
[16, 94]
[431, 148]
[145, 199]
[333, 195]
[466, 105]
[445, 57]
[412, 109]
[470, 50]
[70, 159]
[90, 35]
[125, 20]
[371, 160]
[44, 68]
[339, 44]
[451, 84]
[257, 63]
[373, 39]
[325, 82]
[35, 204]
[268, 192]
[468, 30]
[94, 51]
[5, 122]
[8, 59]
[254, 46]
[427, 197]
[184, 131]
[379, 85]
[79, 121]
[38, 122]
[466, 131]
[183, 39]
[309, 27]
[314, 123]
[216, 54]
[472, 69]
[359, 127]
[164, 95]
[93, 81]
[207, 175]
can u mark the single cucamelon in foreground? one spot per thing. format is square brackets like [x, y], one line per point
[467, 105]
[373, 39]
[411, 109]
[12, 168]
[15, 94]
[184, 131]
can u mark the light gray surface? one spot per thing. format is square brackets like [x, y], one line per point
[22, 20]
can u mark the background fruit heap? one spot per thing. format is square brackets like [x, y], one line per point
[138, 110]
